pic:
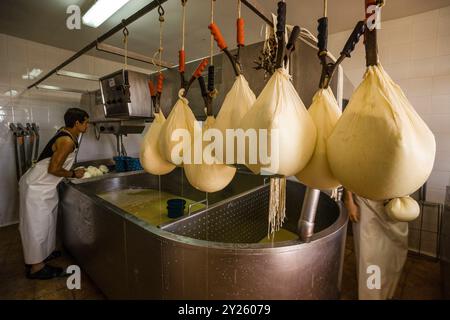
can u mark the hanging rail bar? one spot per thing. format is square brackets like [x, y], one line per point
[151, 6]
[132, 55]
[254, 6]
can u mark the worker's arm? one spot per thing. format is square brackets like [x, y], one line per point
[352, 207]
[63, 147]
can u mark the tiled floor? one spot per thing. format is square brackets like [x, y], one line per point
[420, 279]
[14, 284]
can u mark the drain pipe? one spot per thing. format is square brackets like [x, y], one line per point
[308, 215]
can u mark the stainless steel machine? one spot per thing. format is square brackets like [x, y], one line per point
[126, 95]
[119, 126]
[213, 253]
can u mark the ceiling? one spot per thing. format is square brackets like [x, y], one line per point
[44, 21]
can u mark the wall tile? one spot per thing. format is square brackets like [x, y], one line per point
[422, 104]
[416, 87]
[443, 46]
[3, 49]
[424, 49]
[6, 115]
[384, 52]
[440, 105]
[443, 26]
[41, 116]
[422, 68]
[442, 142]
[398, 31]
[439, 123]
[425, 29]
[398, 71]
[441, 65]
[442, 162]
[37, 56]
[426, 16]
[16, 49]
[441, 85]
[400, 53]
[22, 114]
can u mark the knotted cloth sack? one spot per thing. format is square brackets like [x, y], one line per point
[291, 133]
[210, 175]
[380, 148]
[150, 157]
[325, 113]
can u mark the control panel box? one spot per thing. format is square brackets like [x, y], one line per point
[125, 95]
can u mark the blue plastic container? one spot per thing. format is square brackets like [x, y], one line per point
[121, 163]
[175, 208]
[133, 164]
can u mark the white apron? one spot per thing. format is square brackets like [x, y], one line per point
[39, 210]
[379, 241]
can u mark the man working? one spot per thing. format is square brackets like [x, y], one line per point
[39, 196]
[381, 244]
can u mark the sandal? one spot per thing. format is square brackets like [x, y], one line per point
[46, 273]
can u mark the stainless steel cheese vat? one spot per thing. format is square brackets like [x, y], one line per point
[211, 254]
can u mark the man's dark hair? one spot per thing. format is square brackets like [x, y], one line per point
[73, 115]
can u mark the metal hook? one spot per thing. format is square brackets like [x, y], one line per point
[125, 32]
[161, 10]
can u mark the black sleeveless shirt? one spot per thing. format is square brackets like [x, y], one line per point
[48, 152]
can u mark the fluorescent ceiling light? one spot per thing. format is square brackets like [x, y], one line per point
[101, 11]
[11, 93]
[33, 74]
[55, 88]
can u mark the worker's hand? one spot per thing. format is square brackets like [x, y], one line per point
[79, 173]
[353, 212]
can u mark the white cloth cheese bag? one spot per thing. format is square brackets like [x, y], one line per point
[325, 113]
[210, 175]
[403, 209]
[150, 157]
[380, 148]
[237, 103]
[177, 133]
[285, 135]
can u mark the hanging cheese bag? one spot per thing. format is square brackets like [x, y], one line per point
[177, 132]
[325, 113]
[403, 209]
[240, 98]
[237, 103]
[381, 148]
[280, 115]
[208, 176]
[150, 157]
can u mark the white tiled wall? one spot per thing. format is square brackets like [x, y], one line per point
[415, 51]
[46, 108]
